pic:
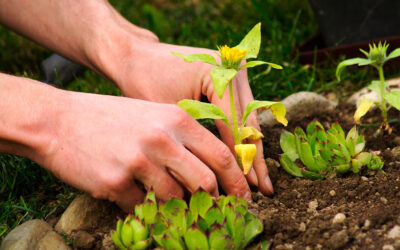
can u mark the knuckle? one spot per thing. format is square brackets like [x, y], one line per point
[209, 183]
[180, 117]
[224, 156]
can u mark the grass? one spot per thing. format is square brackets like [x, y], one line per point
[28, 191]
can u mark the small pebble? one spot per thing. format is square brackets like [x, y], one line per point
[394, 233]
[312, 206]
[302, 227]
[332, 193]
[367, 223]
[384, 200]
[364, 178]
[387, 247]
[377, 194]
[339, 218]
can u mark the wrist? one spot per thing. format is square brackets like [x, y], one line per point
[27, 116]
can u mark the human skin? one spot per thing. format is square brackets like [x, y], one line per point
[102, 144]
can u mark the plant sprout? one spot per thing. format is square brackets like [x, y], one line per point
[376, 57]
[204, 223]
[222, 75]
[317, 152]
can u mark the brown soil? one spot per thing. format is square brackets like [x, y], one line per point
[300, 214]
[370, 201]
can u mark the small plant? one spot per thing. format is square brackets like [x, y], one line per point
[222, 75]
[207, 223]
[316, 152]
[376, 57]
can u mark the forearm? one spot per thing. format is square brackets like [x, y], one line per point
[88, 32]
[27, 116]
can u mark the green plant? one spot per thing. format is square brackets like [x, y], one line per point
[222, 75]
[376, 57]
[316, 152]
[207, 223]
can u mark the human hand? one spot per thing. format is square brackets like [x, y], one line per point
[153, 73]
[102, 144]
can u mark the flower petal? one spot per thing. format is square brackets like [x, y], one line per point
[246, 154]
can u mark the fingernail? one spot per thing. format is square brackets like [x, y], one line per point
[247, 196]
[268, 183]
[253, 177]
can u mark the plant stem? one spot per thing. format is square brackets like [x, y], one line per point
[383, 102]
[234, 119]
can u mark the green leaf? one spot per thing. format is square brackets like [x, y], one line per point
[311, 175]
[239, 230]
[221, 77]
[277, 109]
[252, 229]
[202, 110]
[376, 86]
[140, 232]
[149, 212]
[117, 241]
[343, 168]
[289, 166]
[257, 63]
[213, 215]
[175, 209]
[206, 58]
[168, 242]
[199, 203]
[251, 42]
[288, 145]
[393, 98]
[349, 62]
[395, 53]
[221, 242]
[307, 158]
[195, 239]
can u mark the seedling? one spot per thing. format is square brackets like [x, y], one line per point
[206, 223]
[316, 152]
[222, 75]
[376, 57]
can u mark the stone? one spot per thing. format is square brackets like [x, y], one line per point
[339, 218]
[383, 200]
[302, 227]
[83, 240]
[366, 93]
[394, 233]
[338, 240]
[299, 105]
[312, 206]
[83, 212]
[33, 234]
[387, 247]
[332, 193]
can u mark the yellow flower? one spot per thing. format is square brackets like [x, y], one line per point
[246, 154]
[231, 57]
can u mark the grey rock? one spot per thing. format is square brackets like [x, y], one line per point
[83, 212]
[299, 105]
[33, 234]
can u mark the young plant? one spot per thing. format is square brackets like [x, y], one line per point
[206, 223]
[316, 152]
[376, 57]
[222, 75]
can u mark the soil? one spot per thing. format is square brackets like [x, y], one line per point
[301, 212]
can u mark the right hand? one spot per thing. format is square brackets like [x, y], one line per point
[103, 144]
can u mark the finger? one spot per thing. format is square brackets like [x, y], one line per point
[129, 197]
[215, 154]
[259, 165]
[191, 172]
[163, 184]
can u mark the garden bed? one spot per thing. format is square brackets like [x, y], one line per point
[301, 213]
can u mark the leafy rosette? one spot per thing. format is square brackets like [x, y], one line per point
[316, 152]
[206, 223]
